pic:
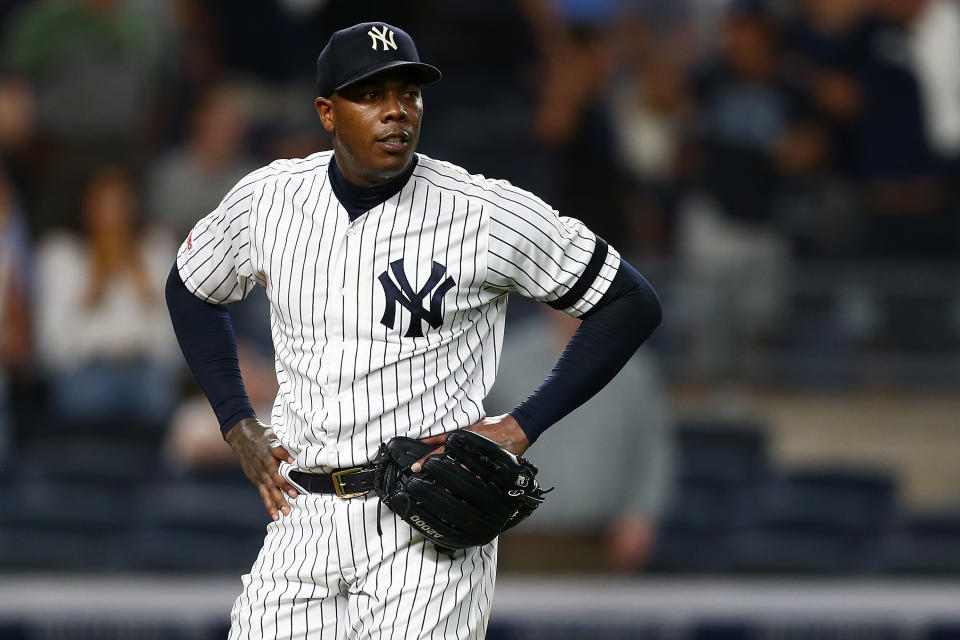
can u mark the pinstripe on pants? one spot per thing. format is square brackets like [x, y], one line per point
[321, 575]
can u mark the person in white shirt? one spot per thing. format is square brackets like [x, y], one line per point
[101, 322]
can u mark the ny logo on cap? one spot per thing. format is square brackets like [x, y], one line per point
[382, 35]
[412, 300]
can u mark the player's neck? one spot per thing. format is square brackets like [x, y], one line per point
[357, 199]
[358, 175]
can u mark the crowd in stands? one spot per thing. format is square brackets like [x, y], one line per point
[732, 138]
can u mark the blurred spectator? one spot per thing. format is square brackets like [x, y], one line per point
[935, 45]
[649, 115]
[286, 31]
[196, 65]
[194, 441]
[818, 43]
[610, 460]
[578, 64]
[649, 109]
[749, 119]
[188, 182]
[904, 65]
[93, 63]
[94, 66]
[578, 61]
[16, 127]
[102, 325]
[755, 136]
[14, 311]
[487, 132]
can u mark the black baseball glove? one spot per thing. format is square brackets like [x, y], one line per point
[463, 497]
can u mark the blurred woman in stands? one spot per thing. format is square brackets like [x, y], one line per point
[101, 320]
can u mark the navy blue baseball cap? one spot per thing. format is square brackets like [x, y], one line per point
[366, 49]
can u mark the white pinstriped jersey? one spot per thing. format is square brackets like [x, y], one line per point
[390, 324]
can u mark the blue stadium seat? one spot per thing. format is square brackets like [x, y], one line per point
[708, 506]
[195, 526]
[681, 550]
[45, 548]
[831, 499]
[796, 549]
[66, 507]
[825, 520]
[221, 475]
[9, 472]
[723, 631]
[923, 543]
[189, 506]
[121, 429]
[721, 451]
[943, 631]
[720, 464]
[89, 460]
[178, 550]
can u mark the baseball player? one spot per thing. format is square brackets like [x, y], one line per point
[388, 274]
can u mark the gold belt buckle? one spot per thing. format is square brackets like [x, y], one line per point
[338, 483]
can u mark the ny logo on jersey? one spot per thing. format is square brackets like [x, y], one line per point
[382, 36]
[412, 300]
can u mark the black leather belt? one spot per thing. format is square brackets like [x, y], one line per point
[345, 483]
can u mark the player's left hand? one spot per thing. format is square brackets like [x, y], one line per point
[260, 455]
[503, 430]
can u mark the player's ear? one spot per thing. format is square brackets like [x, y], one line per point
[325, 111]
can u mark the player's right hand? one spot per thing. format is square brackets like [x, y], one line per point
[260, 455]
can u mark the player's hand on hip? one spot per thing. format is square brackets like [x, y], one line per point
[260, 455]
[503, 430]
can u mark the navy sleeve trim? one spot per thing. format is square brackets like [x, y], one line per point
[587, 278]
[209, 346]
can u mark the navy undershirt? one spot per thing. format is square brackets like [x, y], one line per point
[358, 200]
[610, 333]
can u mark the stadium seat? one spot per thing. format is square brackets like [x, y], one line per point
[708, 506]
[683, 550]
[720, 464]
[66, 508]
[796, 549]
[87, 459]
[721, 451]
[824, 520]
[189, 506]
[923, 543]
[943, 631]
[31, 548]
[221, 475]
[829, 499]
[179, 550]
[723, 631]
[121, 429]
